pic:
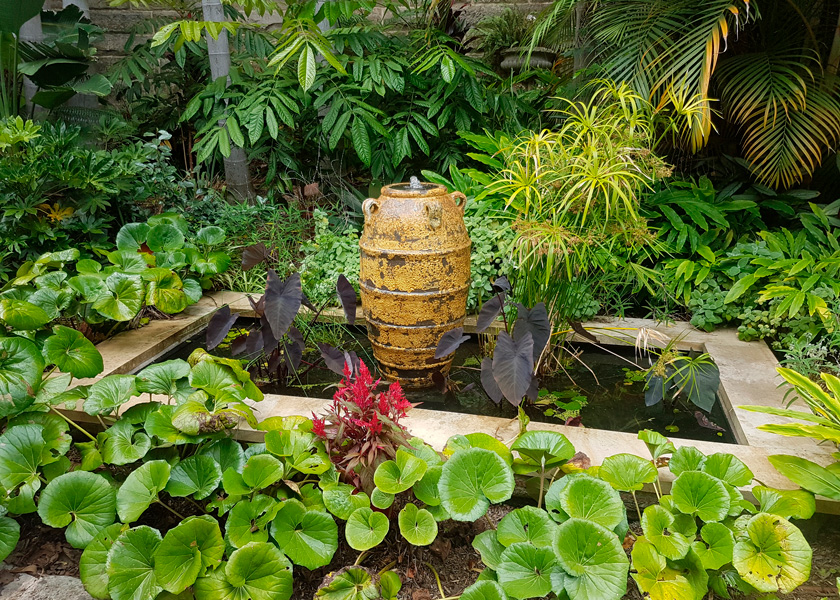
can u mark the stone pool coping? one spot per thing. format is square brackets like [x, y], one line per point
[748, 376]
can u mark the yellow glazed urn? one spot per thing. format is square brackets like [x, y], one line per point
[414, 277]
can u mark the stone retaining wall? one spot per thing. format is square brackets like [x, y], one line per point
[119, 21]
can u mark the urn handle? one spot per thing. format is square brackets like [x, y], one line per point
[463, 200]
[370, 207]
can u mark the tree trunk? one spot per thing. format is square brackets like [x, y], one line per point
[581, 56]
[833, 65]
[31, 31]
[236, 165]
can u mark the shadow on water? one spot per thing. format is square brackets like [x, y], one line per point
[604, 385]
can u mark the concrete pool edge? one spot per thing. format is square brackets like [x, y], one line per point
[748, 376]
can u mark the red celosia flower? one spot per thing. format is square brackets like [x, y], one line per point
[318, 426]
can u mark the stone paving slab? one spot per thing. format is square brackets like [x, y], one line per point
[47, 587]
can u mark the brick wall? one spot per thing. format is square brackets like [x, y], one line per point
[118, 21]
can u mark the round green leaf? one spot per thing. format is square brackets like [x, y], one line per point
[489, 548]
[81, 501]
[165, 291]
[167, 378]
[381, 499]
[471, 480]
[122, 299]
[525, 571]
[128, 262]
[526, 524]
[249, 519]
[349, 583]
[93, 565]
[366, 529]
[396, 476]
[88, 266]
[72, 353]
[308, 537]
[141, 488]
[131, 567]
[210, 236]
[789, 504]
[627, 472]
[21, 367]
[164, 238]
[257, 571]
[261, 471]
[699, 494]
[187, 551]
[478, 440]
[125, 443]
[727, 468]
[715, 549]
[109, 393]
[22, 449]
[417, 525]
[9, 536]
[22, 315]
[131, 236]
[658, 527]
[774, 556]
[227, 453]
[196, 476]
[340, 500]
[656, 578]
[585, 497]
[55, 433]
[544, 447]
[484, 590]
[686, 458]
[426, 490]
[593, 558]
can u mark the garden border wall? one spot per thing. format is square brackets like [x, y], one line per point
[747, 369]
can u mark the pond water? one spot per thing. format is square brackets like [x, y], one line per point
[595, 387]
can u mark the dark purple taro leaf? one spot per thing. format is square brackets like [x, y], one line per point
[258, 306]
[579, 329]
[254, 255]
[347, 297]
[703, 421]
[501, 285]
[269, 341]
[296, 335]
[488, 313]
[274, 360]
[513, 366]
[440, 382]
[333, 358]
[450, 342]
[219, 326]
[254, 343]
[536, 322]
[352, 359]
[467, 387]
[488, 382]
[282, 302]
[533, 392]
[307, 303]
[293, 352]
[237, 347]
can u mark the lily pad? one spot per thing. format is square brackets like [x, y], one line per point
[81, 501]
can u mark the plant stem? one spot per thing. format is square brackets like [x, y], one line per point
[362, 554]
[542, 484]
[170, 509]
[73, 423]
[437, 579]
[638, 512]
[196, 504]
[387, 567]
